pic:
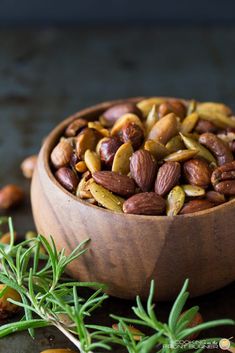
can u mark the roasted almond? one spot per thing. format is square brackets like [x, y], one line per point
[146, 203]
[167, 177]
[117, 183]
[197, 172]
[196, 206]
[143, 169]
[67, 178]
[215, 197]
[164, 129]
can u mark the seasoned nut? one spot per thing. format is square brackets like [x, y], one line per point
[173, 106]
[180, 156]
[215, 197]
[213, 107]
[197, 172]
[193, 190]
[96, 125]
[152, 118]
[218, 147]
[117, 183]
[121, 161]
[205, 126]
[123, 120]
[158, 150]
[164, 129]
[220, 171]
[143, 169]
[111, 115]
[133, 133]
[226, 187]
[146, 203]
[167, 177]
[175, 144]
[81, 167]
[67, 178]
[61, 154]
[92, 161]
[83, 189]
[73, 160]
[175, 201]
[108, 148]
[75, 127]
[191, 144]
[87, 139]
[8, 309]
[218, 119]
[105, 198]
[28, 165]
[196, 206]
[147, 104]
[189, 123]
[10, 196]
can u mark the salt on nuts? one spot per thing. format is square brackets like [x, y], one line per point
[61, 154]
[67, 178]
[112, 114]
[218, 147]
[10, 196]
[8, 309]
[164, 129]
[28, 165]
[197, 172]
[75, 127]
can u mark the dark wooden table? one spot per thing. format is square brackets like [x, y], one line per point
[47, 74]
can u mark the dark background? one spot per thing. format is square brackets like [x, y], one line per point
[57, 57]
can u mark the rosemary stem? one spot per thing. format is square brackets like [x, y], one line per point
[71, 337]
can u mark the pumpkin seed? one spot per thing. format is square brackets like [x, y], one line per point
[189, 123]
[92, 161]
[175, 144]
[106, 198]
[152, 118]
[123, 120]
[203, 152]
[192, 107]
[218, 119]
[181, 155]
[193, 190]
[121, 161]
[214, 107]
[96, 125]
[157, 149]
[175, 201]
[146, 104]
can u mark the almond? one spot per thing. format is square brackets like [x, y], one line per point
[143, 169]
[164, 129]
[197, 172]
[117, 183]
[67, 178]
[196, 206]
[146, 203]
[167, 177]
[111, 115]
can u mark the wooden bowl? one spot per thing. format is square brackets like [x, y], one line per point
[127, 251]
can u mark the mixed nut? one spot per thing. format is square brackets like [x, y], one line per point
[154, 157]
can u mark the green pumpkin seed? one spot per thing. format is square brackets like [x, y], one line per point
[92, 161]
[157, 149]
[175, 144]
[203, 152]
[214, 107]
[193, 190]
[189, 123]
[175, 201]
[121, 161]
[192, 107]
[181, 155]
[106, 198]
[218, 119]
[146, 104]
[152, 118]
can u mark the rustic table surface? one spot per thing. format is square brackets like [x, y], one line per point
[47, 74]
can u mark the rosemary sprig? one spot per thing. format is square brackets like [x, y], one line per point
[49, 299]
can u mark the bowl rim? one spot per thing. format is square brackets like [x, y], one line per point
[49, 144]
